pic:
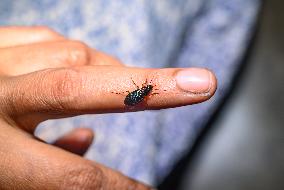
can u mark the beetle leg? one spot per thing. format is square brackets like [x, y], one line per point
[153, 94]
[121, 93]
[144, 83]
[135, 84]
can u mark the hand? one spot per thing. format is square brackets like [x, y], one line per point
[46, 76]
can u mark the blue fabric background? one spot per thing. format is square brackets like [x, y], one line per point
[146, 33]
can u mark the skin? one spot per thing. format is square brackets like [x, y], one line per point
[45, 76]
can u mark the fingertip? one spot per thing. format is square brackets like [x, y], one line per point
[214, 83]
[77, 141]
[181, 87]
[85, 135]
[195, 80]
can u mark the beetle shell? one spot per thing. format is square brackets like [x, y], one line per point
[137, 96]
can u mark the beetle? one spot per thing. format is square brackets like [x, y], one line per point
[137, 96]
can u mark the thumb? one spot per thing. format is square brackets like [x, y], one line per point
[31, 164]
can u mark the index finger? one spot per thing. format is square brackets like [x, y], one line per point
[103, 89]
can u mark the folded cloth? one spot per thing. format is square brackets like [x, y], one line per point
[173, 33]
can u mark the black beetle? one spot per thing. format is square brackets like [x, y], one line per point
[135, 97]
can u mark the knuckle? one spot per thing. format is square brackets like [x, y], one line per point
[90, 176]
[86, 176]
[66, 87]
[77, 53]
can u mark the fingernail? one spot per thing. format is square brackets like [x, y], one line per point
[194, 80]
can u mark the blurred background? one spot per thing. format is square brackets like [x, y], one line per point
[243, 146]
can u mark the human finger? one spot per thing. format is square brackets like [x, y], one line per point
[56, 93]
[77, 141]
[20, 35]
[31, 164]
[58, 54]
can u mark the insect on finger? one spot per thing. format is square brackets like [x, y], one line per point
[139, 95]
